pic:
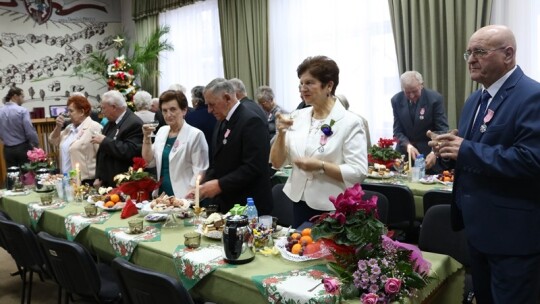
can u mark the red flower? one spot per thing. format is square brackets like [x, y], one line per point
[138, 162]
[130, 71]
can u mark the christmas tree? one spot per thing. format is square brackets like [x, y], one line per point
[120, 78]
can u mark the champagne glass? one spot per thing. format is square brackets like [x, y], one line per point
[152, 124]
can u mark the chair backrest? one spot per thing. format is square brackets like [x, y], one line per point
[401, 206]
[382, 204]
[3, 216]
[72, 265]
[436, 197]
[23, 246]
[283, 206]
[143, 286]
[436, 235]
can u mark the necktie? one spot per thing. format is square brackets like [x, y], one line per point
[481, 113]
[222, 128]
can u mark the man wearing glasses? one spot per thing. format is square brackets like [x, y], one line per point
[496, 155]
[416, 110]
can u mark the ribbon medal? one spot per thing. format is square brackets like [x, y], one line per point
[422, 112]
[487, 118]
[226, 135]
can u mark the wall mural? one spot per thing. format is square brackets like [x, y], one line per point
[42, 41]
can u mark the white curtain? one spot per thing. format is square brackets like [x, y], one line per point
[523, 19]
[357, 34]
[196, 58]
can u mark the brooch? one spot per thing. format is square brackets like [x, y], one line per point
[487, 118]
[327, 132]
[226, 135]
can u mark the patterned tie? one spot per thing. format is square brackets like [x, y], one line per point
[481, 113]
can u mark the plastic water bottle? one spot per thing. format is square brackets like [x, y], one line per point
[251, 212]
[65, 186]
[421, 163]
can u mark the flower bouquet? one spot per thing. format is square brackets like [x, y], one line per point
[383, 152]
[370, 265]
[38, 160]
[135, 180]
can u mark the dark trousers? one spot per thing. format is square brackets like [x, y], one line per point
[16, 155]
[502, 279]
[302, 213]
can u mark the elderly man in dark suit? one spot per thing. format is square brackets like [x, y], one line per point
[241, 95]
[497, 160]
[239, 164]
[417, 110]
[121, 139]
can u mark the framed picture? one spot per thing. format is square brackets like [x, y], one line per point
[56, 110]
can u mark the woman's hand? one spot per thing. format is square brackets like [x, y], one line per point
[283, 122]
[147, 130]
[308, 163]
[60, 121]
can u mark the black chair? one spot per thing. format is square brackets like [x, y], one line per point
[436, 197]
[283, 206]
[436, 235]
[77, 273]
[22, 245]
[401, 210]
[143, 286]
[382, 204]
[6, 217]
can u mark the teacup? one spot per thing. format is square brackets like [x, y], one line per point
[192, 240]
[46, 199]
[90, 210]
[136, 226]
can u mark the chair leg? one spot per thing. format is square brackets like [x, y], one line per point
[59, 294]
[22, 272]
[30, 281]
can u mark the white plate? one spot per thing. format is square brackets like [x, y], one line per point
[214, 234]
[429, 179]
[444, 183]
[156, 217]
[378, 176]
[116, 207]
[280, 245]
[147, 209]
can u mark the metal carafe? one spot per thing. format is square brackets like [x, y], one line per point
[238, 240]
[13, 176]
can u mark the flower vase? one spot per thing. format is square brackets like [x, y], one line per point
[28, 178]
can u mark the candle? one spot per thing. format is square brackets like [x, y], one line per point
[77, 174]
[409, 153]
[197, 184]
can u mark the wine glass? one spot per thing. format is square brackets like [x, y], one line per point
[151, 124]
[399, 166]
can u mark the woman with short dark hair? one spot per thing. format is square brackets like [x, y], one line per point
[179, 152]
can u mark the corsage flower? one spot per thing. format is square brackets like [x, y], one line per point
[327, 132]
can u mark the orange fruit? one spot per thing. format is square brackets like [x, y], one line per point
[306, 239]
[115, 198]
[306, 231]
[296, 248]
[109, 204]
[295, 236]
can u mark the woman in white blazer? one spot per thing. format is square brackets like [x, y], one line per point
[180, 151]
[325, 162]
[74, 141]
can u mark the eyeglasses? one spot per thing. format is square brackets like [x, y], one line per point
[479, 53]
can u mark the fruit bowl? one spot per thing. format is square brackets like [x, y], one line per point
[280, 245]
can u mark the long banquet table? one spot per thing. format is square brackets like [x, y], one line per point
[224, 285]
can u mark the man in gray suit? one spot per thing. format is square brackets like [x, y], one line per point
[417, 110]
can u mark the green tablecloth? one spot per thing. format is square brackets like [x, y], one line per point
[225, 285]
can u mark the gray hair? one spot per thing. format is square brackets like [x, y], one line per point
[178, 87]
[219, 85]
[410, 77]
[238, 85]
[142, 100]
[114, 97]
[197, 95]
[264, 92]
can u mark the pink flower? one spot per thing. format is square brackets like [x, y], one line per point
[331, 285]
[370, 298]
[392, 286]
[36, 155]
[340, 217]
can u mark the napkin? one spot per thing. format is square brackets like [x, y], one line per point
[129, 209]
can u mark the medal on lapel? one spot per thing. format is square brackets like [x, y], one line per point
[422, 112]
[226, 135]
[487, 118]
[116, 134]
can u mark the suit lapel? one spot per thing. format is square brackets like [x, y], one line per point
[180, 141]
[337, 113]
[230, 126]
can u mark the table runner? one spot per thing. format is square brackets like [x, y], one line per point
[194, 264]
[294, 286]
[75, 222]
[125, 243]
[35, 210]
